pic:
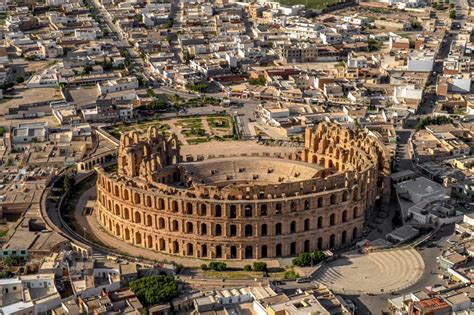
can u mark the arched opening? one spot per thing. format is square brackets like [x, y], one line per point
[293, 206]
[190, 249]
[355, 213]
[332, 241]
[218, 251]
[203, 210]
[149, 220]
[175, 226]
[332, 219]
[293, 227]
[355, 195]
[161, 244]
[137, 198]
[306, 205]
[320, 222]
[306, 247]
[343, 237]
[233, 230]
[117, 210]
[306, 224]
[248, 211]
[354, 233]
[233, 212]
[233, 252]
[320, 243]
[344, 216]
[218, 230]
[149, 241]
[345, 196]
[333, 199]
[263, 210]
[320, 202]
[175, 247]
[203, 229]
[218, 211]
[278, 251]
[127, 234]
[174, 206]
[203, 250]
[278, 229]
[248, 230]
[293, 248]
[161, 223]
[138, 217]
[161, 204]
[278, 208]
[117, 230]
[189, 227]
[248, 252]
[148, 201]
[264, 251]
[189, 208]
[138, 238]
[263, 230]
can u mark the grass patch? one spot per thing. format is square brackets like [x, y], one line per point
[312, 4]
[3, 233]
[219, 122]
[241, 274]
[197, 140]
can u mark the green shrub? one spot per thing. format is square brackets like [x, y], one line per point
[247, 268]
[217, 266]
[204, 267]
[259, 266]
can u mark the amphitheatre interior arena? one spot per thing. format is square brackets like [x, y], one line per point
[247, 206]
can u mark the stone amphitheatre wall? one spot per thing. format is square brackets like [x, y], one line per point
[142, 203]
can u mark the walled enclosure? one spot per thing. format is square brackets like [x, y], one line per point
[245, 207]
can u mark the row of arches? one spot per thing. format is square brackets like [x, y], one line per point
[233, 230]
[226, 251]
[221, 211]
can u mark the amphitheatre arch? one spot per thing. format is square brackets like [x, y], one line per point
[243, 207]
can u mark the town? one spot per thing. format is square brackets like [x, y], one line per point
[236, 157]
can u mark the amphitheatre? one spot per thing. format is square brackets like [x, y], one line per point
[243, 206]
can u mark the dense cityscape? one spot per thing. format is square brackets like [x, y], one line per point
[217, 157]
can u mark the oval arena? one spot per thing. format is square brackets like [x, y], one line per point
[243, 207]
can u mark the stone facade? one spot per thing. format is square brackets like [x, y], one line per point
[245, 207]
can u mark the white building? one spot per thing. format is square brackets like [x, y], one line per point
[118, 85]
[420, 62]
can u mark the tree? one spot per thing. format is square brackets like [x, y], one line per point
[11, 261]
[247, 268]
[452, 14]
[69, 183]
[20, 80]
[155, 289]
[306, 259]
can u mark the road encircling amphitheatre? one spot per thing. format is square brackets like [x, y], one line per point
[247, 206]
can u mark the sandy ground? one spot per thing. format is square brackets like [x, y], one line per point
[232, 147]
